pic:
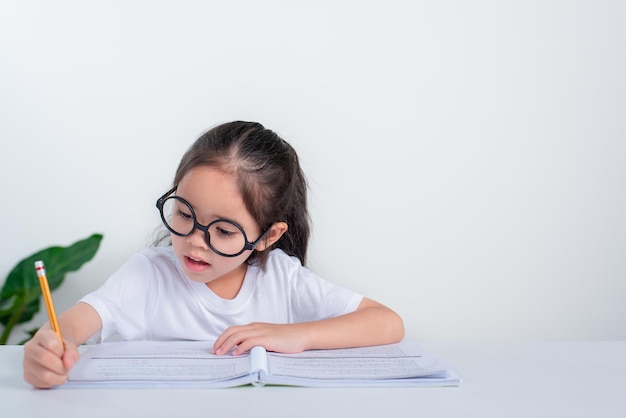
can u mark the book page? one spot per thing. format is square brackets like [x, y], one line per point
[379, 362]
[157, 361]
[190, 364]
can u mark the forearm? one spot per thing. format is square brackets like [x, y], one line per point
[78, 323]
[371, 324]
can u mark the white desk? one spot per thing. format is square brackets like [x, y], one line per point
[573, 379]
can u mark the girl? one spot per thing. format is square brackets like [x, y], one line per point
[234, 272]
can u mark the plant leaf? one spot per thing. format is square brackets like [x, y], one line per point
[29, 308]
[31, 333]
[23, 284]
[7, 306]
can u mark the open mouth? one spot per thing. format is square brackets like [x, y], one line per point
[196, 261]
[195, 264]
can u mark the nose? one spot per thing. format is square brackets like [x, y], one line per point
[197, 239]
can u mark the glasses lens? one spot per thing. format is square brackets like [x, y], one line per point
[178, 216]
[226, 237]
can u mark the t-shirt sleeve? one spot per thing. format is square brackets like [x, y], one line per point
[123, 300]
[314, 298]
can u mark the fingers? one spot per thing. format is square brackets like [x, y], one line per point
[226, 342]
[44, 364]
[284, 338]
[70, 356]
[239, 339]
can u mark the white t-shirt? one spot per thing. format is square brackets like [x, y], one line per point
[150, 298]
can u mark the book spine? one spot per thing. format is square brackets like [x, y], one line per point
[258, 365]
[257, 379]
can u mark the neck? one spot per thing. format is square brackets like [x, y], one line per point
[229, 285]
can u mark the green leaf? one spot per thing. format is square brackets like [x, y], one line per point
[22, 284]
[9, 307]
[30, 333]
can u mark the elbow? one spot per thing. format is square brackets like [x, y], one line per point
[396, 329]
[388, 324]
[393, 327]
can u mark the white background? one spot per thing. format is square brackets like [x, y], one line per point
[465, 159]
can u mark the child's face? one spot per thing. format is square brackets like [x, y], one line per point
[213, 195]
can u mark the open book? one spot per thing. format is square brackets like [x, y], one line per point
[190, 364]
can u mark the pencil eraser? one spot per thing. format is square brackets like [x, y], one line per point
[40, 268]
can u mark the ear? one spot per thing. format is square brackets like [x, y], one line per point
[275, 232]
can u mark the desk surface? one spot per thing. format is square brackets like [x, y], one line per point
[564, 379]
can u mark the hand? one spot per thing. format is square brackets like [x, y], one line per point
[283, 338]
[47, 361]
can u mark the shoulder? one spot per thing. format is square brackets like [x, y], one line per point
[309, 296]
[283, 267]
[148, 264]
[279, 261]
[154, 256]
[280, 257]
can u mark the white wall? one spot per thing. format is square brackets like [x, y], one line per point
[466, 159]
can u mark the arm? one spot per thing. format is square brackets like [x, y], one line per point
[47, 361]
[371, 324]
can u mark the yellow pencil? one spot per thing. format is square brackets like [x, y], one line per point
[47, 297]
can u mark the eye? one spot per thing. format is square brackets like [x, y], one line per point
[183, 215]
[225, 232]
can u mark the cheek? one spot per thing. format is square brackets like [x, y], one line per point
[178, 243]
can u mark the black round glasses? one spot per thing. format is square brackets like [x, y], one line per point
[224, 237]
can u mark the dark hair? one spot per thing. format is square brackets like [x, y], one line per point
[268, 174]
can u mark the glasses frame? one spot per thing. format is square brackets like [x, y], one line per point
[205, 228]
